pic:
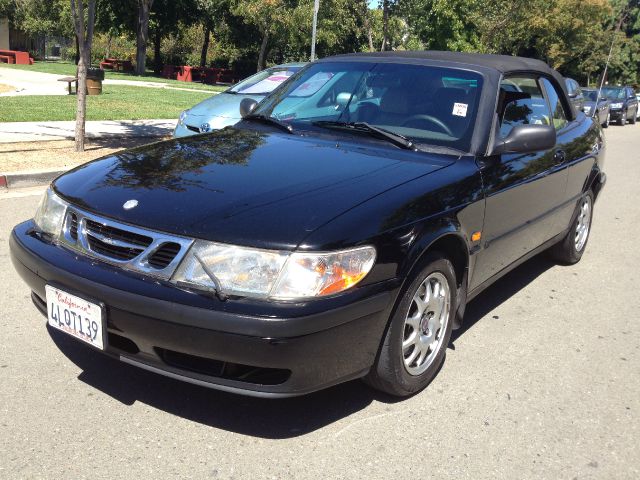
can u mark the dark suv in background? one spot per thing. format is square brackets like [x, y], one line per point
[575, 93]
[623, 103]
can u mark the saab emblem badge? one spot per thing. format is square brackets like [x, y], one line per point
[129, 204]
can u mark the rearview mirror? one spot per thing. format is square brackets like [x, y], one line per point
[247, 106]
[526, 139]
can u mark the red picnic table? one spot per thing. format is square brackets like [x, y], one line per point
[14, 56]
[207, 75]
[117, 65]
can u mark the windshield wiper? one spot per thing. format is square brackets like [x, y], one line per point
[270, 120]
[395, 138]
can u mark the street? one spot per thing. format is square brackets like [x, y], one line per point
[542, 383]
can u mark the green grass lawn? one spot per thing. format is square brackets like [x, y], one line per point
[116, 103]
[69, 69]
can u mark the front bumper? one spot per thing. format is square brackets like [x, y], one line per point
[616, 114]
[271, 350]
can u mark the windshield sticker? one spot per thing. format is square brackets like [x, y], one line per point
[460, 109]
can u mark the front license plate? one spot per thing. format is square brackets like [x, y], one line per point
[75, 316]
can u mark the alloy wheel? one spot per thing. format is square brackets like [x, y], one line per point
[426, 323]
[583, 224]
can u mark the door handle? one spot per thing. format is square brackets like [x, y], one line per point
[559, 156]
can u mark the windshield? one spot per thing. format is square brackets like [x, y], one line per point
[613, 93]
[265, 81]
[591, 94]
[428, 105]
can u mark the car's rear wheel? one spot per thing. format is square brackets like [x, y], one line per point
[419, 331]
[573, 245]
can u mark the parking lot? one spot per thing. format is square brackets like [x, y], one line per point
[541, 383]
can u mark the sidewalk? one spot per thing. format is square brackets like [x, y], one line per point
[34, 153]
[37, 83]
[15, 132]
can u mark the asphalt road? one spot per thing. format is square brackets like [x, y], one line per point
[543, 383]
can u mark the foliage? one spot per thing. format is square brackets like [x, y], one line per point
[574, 36]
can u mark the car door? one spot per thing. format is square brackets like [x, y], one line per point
[580, 143]
[523, 191]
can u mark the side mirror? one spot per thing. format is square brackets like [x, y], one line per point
[573, 95]
[527, 139]
[247, 105]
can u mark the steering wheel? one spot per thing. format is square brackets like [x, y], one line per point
[429, 118]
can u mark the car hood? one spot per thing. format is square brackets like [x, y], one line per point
[226, 105]
[242, 186]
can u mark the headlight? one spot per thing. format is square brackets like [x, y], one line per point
[319, 274]
[266, 273]
[183, 117]
[50, 213]
[616, 105]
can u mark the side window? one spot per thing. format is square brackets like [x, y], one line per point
[577, 88]
[521, 103]
[569, 84]
[559, 115]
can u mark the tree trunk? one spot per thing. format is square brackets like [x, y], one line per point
[263, 51]
[108, 52]
[84, 39]
[205, 47]
[81, 107]
[77, 60]
[367, 24]
[157, 60]
[142, 37]
[385, 24]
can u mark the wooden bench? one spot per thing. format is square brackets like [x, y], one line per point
[69, 81]
[7, 59]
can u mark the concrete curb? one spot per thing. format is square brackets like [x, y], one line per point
[28, 179]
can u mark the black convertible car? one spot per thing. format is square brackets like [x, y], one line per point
[337, 232]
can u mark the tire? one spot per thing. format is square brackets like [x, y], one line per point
[573, 245]
[398, 369]
[606, 122]
[623, 119]
[633, 118]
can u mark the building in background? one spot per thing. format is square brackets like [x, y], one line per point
[4, 34]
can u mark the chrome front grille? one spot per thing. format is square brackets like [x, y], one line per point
[134, 248]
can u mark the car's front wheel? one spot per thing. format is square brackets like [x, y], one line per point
[573, 245]
[623, 119]
[606, 122]
[419, 331]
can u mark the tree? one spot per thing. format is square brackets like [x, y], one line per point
[269, 16]
[142, 35]
[84, 33]
[210, 13]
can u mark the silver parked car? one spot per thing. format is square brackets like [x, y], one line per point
[601, 112]
[223, 109]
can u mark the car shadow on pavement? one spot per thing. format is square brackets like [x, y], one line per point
[501, 291]
[266, 418]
